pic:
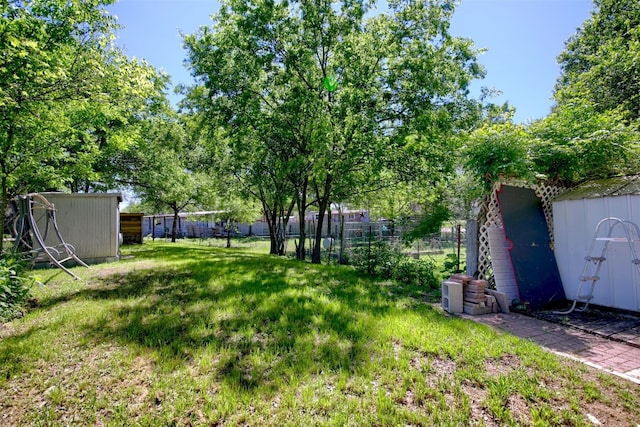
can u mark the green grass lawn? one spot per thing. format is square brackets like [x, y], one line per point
[184, 334]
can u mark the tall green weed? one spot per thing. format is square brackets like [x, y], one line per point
[15, 286]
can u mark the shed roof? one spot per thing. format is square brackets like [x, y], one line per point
[61, 194]
[610, 187]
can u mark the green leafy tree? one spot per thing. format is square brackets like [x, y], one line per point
[51, 54]
[235, 211]
[93, 138]
[600, 62]
[496, 151]
[577, 143]
[260, 171]
[391, 202]
[67, 96]
[593, 130]
[164, 176]
[107, 129]
[329, 97]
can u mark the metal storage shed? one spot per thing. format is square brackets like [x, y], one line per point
[131, 227]
[576, 214]
[90, 222]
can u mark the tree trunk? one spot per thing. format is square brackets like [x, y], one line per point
[277, 233]
[301, 252]
[4, 203]
[323, 203]
[322, 207]
[329, 220]
[282, 236]
[174, 226]
[273, 250]
[341, 259]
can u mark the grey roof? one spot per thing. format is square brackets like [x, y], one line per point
[610, 187]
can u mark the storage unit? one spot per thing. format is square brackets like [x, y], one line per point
[90, 222]
[131, 227]
[575, 216]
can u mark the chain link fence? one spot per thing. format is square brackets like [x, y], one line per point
[340, 241]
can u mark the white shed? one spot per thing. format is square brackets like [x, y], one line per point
[576, 214]
[88, 221]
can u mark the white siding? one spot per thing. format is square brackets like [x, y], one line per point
[574, 223]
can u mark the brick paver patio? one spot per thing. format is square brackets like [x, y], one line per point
[619, 356]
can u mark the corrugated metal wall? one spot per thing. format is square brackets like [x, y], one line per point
[574, 224]
[89, 222]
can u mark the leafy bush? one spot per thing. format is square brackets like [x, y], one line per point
[413, 271]
[451, 264]
[15, 286]
[379, 260]
[385, 262]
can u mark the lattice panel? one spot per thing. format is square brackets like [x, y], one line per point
[490, 216]
[547, 193]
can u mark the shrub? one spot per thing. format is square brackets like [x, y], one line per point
[419, 272]
[452, 265]
[383, 261]
[379, 260]
[15, 286]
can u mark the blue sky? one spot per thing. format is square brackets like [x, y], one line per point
[522, 38]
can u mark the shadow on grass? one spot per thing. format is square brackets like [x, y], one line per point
[262, 319]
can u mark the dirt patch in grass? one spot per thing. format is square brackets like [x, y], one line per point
[477, 396]
[443, 367]
[519, 409]
[504, 365]
[6, 330]
[609, 409]
[607, 415]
